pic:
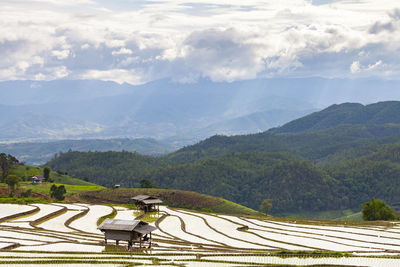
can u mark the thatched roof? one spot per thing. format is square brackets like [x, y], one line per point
[126, 225]
[152, 201]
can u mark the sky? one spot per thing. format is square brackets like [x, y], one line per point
[136, 42]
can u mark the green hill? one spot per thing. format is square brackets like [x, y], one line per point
[346, 155]
[42, 191]
[348, 113]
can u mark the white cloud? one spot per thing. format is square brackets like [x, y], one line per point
[85, 46]
[375, 65]
[122, 51]
[185, 40]
[355, 67]
[60, 54]
[115, 75]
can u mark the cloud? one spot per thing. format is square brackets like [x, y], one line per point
[122, 51]
[60, 54]
[355, 67]
[115, 75]
[140, 41]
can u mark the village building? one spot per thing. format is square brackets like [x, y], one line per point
[147, 203]
[37, 179]
[133, 231]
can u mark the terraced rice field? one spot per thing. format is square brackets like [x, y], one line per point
[66, 234]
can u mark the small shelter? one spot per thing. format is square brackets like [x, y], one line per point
[133, 231]
[147, 203]
[37, 179]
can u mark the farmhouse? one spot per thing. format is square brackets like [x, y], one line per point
[132, 231]
[147, 203]
[37, 179]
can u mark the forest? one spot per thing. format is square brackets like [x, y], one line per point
[337, 166]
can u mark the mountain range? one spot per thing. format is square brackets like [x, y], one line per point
[81, 109]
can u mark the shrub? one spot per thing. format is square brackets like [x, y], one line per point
[378, 210]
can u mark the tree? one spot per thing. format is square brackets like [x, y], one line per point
[58, 192]
[33, 172]
[46, 173]
[12, 181]
[146, 183]
[6, 163]
[378, 210]
[266, 205]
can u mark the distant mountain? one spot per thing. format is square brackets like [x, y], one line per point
[82, 109]
[39, 153]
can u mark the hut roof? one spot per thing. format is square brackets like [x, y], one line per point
[141, 197]
[152, 201]
[145, 229]
[122, 225]
[147, 199]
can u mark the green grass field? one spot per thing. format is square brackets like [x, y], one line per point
[44, 188]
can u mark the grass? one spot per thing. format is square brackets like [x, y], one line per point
[72, 185]
[26, 171]
[230, 207]
[23, 200]
[151, 217]
[311, 253]
[320, 215]
[65, 179]
[108, 216]
[356, 217]
[44, 188]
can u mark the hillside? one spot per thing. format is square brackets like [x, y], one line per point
[347, 113]
[246, 178]
[41, 192]
[173, 198]
[336, 133]
[332, 168]
[331, 144]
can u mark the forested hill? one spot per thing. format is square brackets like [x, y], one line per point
[333, 144]
[331, 168]
[247, 178]
[347, 113]
[336, 133]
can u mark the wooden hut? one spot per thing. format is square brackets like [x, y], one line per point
[133, 231]
[147, 203]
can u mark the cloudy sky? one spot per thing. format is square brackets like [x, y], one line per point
[139, 41]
